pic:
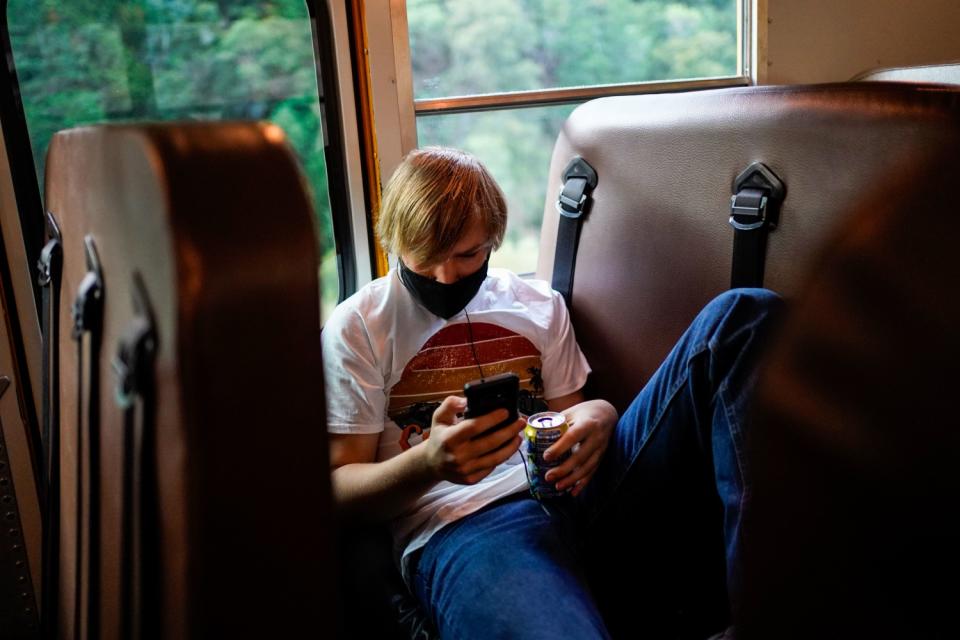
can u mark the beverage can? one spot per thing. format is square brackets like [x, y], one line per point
[542, 430]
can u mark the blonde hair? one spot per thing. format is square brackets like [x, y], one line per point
[431, 201]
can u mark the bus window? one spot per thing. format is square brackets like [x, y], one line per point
[527, 63]
[81, 62]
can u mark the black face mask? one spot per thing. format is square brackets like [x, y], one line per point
[444, 300]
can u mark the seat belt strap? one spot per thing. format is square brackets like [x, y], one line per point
[87, 314]
[754, 212]
[50, 275]
[135, 395]
[50, 272]
[579, 180]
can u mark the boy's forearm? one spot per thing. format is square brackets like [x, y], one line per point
[380, 491]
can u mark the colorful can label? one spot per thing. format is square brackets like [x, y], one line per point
[542, 430]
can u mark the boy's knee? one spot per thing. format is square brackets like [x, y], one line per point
[738, 310]
[755, 300]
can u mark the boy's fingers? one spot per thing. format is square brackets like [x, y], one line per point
[496, 438]
[564, 444]
[497, 456]
[582, 472]
[475, 426]
[580, 485]
[576, 458]
[583, 456]
[447, 412]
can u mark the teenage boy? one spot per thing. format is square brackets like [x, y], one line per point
[646, 494]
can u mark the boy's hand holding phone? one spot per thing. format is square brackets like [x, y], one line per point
[489, 394]
[465, 452]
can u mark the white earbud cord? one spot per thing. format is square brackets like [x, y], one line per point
[523, 457]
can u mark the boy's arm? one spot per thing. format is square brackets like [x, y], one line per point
[375, 491]
[380, 491]
[591, 423]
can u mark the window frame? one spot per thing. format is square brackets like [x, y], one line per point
[21, 241]
[338, 142]
[566, 95]
[22, 222]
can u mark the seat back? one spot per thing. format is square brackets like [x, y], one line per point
[656, 245]
[946, 73]
[856, 435]
[194, 476]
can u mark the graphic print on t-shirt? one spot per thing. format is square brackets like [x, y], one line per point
[446, 362]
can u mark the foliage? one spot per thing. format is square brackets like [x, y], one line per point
[88, 61]
[462, 47]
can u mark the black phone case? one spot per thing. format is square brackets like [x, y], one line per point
[497, 392]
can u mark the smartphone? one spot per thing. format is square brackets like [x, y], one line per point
[489, 394]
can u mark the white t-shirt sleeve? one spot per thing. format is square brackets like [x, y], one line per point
[354, 384]
[565, 369]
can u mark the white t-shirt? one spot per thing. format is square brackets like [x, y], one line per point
[388, 362]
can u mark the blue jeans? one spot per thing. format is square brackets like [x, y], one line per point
[650, 548]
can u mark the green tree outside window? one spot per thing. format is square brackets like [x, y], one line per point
[89, 61]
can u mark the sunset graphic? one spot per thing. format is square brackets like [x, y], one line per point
[446, 362]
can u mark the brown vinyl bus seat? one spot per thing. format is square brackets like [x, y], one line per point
[196, 502]
[856, 445]
[655, 246]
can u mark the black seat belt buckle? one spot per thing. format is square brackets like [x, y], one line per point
[755, 203]
[45, 262]
[572, 198]
[748, 210]
[579, 178]
[754, 209]
[573, 201]
[87, 309]
[136, 351]
[51, 253]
